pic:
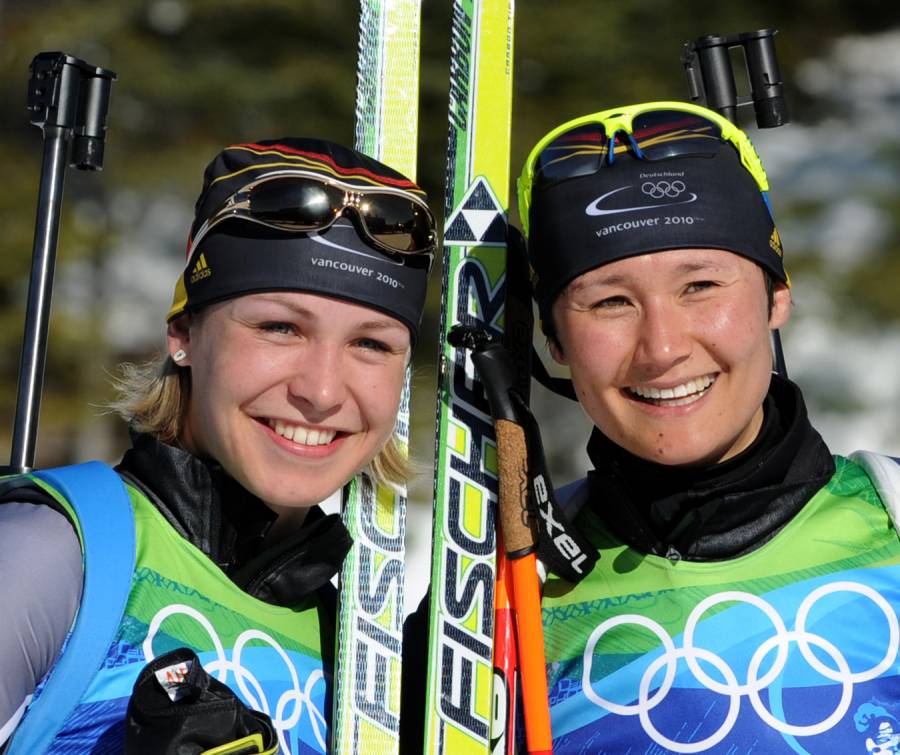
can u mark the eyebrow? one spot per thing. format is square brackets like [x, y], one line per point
[698, 266]
[388, 323]
[580, 284]
[617, 279]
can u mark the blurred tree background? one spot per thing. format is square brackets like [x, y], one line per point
[196, 75]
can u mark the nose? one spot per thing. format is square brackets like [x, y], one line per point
[317, 380]
[663, 339]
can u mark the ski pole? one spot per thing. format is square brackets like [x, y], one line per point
[494, 367]
[506, 662]
[517, 339]
[68, 99]
[710, 74]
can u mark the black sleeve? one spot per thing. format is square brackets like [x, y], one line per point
[40, 589]
[414, 680]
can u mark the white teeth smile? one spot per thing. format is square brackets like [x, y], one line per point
[680, 395]
[302, 435]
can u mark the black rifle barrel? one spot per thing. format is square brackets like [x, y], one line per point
[713, 85]
[40, 287]
[717, 75]
[68, 100]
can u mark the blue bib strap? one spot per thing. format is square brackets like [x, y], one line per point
[106, 520]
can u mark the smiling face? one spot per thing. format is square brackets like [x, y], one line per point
[670, 352]
[291, 393]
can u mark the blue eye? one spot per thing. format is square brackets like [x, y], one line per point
[373, 344]
[609, 302]
[283, 328]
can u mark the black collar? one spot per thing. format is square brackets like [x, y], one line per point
[722, 510]
[226, 522]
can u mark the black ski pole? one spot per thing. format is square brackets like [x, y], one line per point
[68, 100]
[710, 75]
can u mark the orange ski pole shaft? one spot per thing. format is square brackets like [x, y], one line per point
[498, 376]
[503, 718]
[526, 595]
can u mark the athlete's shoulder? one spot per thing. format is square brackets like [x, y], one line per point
[884, 473]
[40, 559]
[35, 532]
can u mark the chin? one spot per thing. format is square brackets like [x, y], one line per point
[675, 454]
[295, 496]
[287, 491]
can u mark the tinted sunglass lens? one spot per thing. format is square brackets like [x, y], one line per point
[396, 222]
[671, 133]
[296, 203]
[578, 152]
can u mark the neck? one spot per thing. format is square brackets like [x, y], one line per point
[289, 521]
[714, 510]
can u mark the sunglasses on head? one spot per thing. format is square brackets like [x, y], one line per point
[393, 220]
[652, 131]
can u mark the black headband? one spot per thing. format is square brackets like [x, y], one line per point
[638, 207]
[243, 258]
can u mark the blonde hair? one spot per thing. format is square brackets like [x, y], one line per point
[154, 398]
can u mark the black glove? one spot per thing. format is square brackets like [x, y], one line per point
[178, 709]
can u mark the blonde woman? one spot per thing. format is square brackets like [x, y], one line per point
[288, 341]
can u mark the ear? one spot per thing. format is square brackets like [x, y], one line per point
[781, 306]
[178, 338]
[556, 350]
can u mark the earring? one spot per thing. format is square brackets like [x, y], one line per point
[179, 355]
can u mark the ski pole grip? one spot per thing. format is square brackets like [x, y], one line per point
[494, 365]
[512, 455]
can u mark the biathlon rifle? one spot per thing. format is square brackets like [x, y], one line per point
[68, 100]
[708, 65]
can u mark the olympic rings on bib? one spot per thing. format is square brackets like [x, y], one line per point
[248, 685]
[774, 650]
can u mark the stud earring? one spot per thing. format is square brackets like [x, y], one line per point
[179, 355]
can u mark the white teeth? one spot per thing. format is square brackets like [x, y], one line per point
[302, 435]
[682, 394]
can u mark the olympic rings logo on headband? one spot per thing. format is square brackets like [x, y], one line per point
[660, 189]
[254, 693]
[838, 670]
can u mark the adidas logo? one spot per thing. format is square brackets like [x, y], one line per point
[201, 269]
[775, 243]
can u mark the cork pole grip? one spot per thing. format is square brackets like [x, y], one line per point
[513, 462]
